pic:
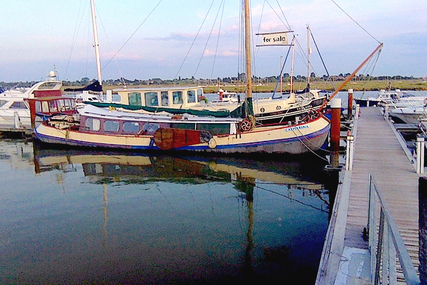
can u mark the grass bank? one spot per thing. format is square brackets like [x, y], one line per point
[369, 85]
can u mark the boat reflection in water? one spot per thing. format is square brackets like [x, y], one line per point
[133, 218]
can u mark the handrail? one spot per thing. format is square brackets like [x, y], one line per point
[385, 242]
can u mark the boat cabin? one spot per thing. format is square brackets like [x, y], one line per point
[49, 106]
[168, 97]
[126, 125]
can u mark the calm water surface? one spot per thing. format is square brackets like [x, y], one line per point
[93, 217]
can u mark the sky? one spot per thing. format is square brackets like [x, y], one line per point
[144, 39]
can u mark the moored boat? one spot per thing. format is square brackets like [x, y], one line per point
[408, 115]
[394, 98]
[14, 111]
[99, 127]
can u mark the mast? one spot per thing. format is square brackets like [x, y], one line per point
[248, 57]
[292, 66]
[96, 44]
[308, 55]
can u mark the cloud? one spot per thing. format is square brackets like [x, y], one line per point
[225, 53]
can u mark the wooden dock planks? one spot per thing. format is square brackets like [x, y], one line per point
[377, 151]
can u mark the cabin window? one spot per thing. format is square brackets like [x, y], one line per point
[52, 106]
[130, 127]
[183, 126]
[177, 97]
[135, 99]
[38, 106]
[111, 126]
[18, 105]
[150, 128]
[215, 129]
[151, 99]
[61, 105]
[165, 98]
[45, 107]
[64, 105]
[92, 124]
[2, 102]
[191, 96]
[199, 93]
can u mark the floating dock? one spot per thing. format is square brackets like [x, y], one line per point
[380, 151]
[7, 131]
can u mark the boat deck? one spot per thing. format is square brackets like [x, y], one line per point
[379, 151]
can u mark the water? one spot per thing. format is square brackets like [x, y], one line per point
[73, 216]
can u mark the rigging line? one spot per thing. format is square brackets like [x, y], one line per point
[281, 73]
[287, 25]
[355, 21]
[289, 198]
[88, 49]
[207, 41]
[259, 25]
[308, 148]
[283, 14]
[217, 40]
[320, 55]
[109, 43]
[195, 38]
[74, 39]
[131, 36]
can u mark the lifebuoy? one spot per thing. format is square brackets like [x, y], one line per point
[70, 119]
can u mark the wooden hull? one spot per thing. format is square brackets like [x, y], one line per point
[297, 139]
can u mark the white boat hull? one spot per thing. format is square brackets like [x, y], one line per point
[15, 119]
[410, 115]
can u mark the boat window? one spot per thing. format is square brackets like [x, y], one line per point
[199, 93]
[165, 98]
[64, 105]
[191, 94]
[177, 97]
[2, 102]
[151, 99]
[111, 126]
[45, 107]
[183, 126]
[92, 124]
[215, 129]
[53, 107]
[38, 106]
[150, 128]
[135, 99]
[131, 127]
[18, 105]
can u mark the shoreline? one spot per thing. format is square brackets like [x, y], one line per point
[418, 84]
[368, 85]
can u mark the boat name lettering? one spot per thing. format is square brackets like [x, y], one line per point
[297, 128]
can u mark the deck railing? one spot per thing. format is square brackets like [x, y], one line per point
[385, 243]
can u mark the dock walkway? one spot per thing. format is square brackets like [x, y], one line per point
[377, 151]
